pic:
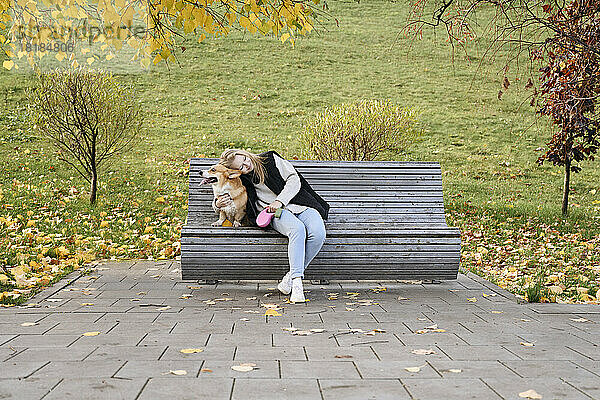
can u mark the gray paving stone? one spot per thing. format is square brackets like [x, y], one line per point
[19, 369]
[30, 388]
[80, 369]
[141, 369]
[450, 389]
[125, 353]
[335, 389]
[394, 369]
[108, 339]
[42, 341]
[545, 352]
[260, 339]
[408, 313]
[589, 386]
[553, 308]
[335, 353]
[224, 353]
[6, 338]
[160, 339]
[182, 388]
[287, 339]
[480, 352]
[96, 389]
[497, 338]
[319, 370]
[564, 338]
[15, 328]
[554, 369]
[590, 365]
[390, 352]
[45, 354]
[262, 353]
[587, 350]
[356, 339]
[8, 352]
[222, 369]
[349, 317]
[192, 327]
[455, 327]
[130, 317]
[87, 316]
[16, 317]
[471, 369]
[292, 389]
[548, 387]
[136, 328]
[189, 315]
[77, 328]
[430, 339]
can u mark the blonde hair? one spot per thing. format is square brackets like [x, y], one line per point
[228, 155]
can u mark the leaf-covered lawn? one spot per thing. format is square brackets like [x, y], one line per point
[515, 252]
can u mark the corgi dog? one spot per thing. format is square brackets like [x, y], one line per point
[225, 180]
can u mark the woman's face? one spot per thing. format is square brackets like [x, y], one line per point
[243, 163]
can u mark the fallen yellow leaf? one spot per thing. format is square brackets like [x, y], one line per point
[423, 352]
[178, 372]
[91, 334]
[530, 394]
[273, 313]
[242, 368]
[191, 351]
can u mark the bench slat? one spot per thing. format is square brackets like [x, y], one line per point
[271, 240]
[331, 232]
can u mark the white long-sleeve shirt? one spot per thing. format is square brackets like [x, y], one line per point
[266, 196]
[291, 188]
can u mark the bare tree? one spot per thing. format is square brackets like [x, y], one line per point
[89, 117]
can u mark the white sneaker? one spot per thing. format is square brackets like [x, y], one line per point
[285, 286]
[297, 291]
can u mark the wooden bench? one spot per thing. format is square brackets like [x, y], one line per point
[386, 221]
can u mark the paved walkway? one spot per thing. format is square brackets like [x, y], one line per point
[365, 343]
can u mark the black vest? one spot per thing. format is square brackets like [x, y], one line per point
[306, 196]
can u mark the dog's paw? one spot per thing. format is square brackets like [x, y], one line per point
[237, 224]
[217, 223]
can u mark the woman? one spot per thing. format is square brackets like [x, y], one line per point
[272, 182]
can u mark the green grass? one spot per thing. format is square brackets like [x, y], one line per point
[254, 92]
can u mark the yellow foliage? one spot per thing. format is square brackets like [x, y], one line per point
[202, 18]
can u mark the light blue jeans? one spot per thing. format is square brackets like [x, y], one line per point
[306, 234]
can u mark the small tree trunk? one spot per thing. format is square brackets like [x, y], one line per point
[94, 187]
[565, 202]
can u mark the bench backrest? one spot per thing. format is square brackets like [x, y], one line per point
[361, 194]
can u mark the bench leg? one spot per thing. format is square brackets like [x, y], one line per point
[208, 281]
[432, 282]
[320, 281]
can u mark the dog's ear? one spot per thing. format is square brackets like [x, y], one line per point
[234, 175]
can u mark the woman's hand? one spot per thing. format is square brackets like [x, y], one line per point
[274, 206]
[223, 200]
